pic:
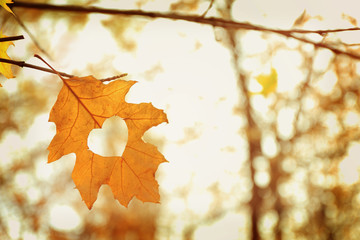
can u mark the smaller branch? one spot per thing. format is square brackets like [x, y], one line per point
[321, 32]
[114, 77]
[14, 38]
[22, 64]
[351, 44]
[31, 36]
[325, 46]
[209, 7]
[53, 69]
[212, 21]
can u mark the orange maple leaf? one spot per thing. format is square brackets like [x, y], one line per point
[84, 104]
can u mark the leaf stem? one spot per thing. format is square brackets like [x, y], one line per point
[23, 64]
[13, 38]
[20, 22]
[53, 69]
[208, 9]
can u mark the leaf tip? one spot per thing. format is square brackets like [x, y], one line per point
[4, 3]
[89, 205]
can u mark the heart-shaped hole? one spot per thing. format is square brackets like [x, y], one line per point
[111, 139]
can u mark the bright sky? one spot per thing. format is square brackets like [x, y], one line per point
[197, 89]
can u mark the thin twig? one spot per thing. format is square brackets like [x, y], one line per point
[351, 44]
[23, 64]
[208, 9]
[31, 36]
[322, 32]
[13, 38]
[216, 22]
[326, 46]
[114, 77]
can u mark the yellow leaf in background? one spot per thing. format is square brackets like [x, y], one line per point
[268, 82]
[3, 4]
[5, 68]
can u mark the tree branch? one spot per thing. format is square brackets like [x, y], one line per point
[326, 46]
[13, 38]
[17, 18]
[215, 22]
[208, 9]
[23, 64]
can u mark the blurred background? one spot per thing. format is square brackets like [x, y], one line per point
[263, 133]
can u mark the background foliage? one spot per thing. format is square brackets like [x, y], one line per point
[279, 164]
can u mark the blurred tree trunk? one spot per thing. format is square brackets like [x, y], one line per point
[253, 133]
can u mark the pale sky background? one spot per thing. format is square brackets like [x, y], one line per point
[196, 86]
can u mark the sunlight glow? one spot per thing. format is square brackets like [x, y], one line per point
[199, 201]
[176, 205]
[14, 228]
[33, 194]
[268, 221]
[41, 130]
[262, 178]
[10, 147]
[29, 236]
[332, 124]
[23, 180]
[44, 171]
[254, 42]
[287, 65]
[195, 84]
[285, 119]
[357, 68]
[64, 218]
[289, 164]
[352, 119]
[99, 43]
[322, 59]
[299, 216]
[294, 191]
[10, 86]
[326, 83]
[231, 227]
[349, 167]
[269, 145]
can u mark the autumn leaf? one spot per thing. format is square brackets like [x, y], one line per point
[3, 4]
[268, 82]
[84, 104]
[5, 68]
[349, 18]
[302, 19]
